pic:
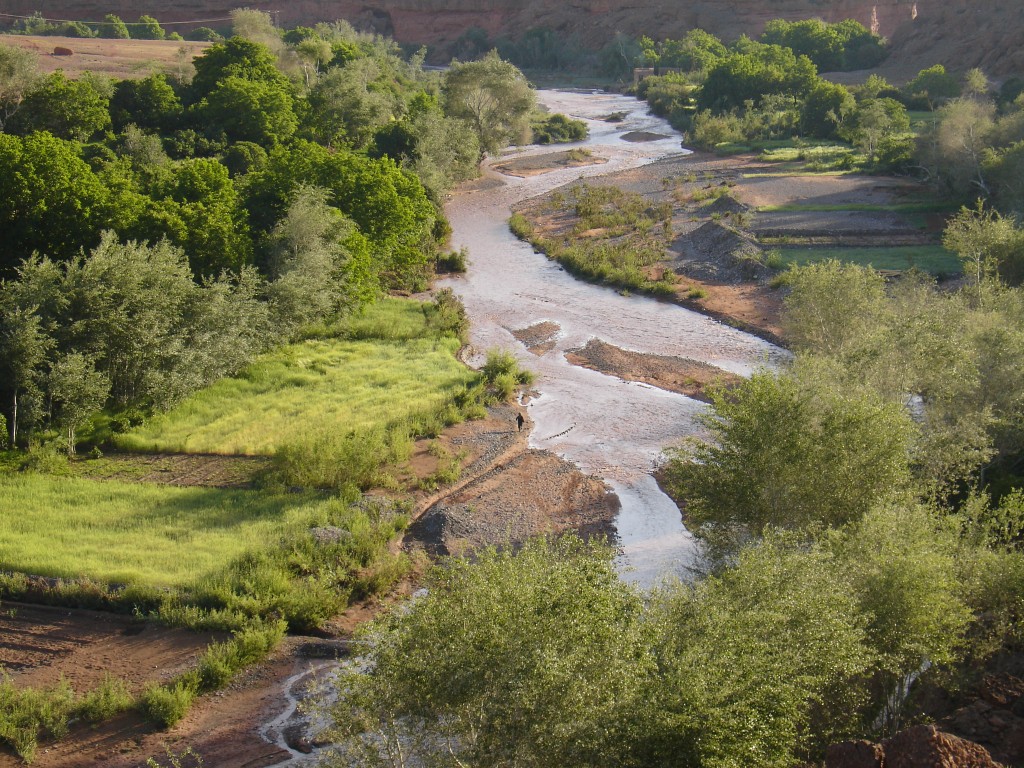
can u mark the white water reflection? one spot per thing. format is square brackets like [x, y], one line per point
[608, 427]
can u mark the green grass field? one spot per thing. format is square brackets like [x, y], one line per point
[389, 366]
[133, 533]
[928, 258]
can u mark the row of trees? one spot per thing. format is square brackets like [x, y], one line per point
[160, 232]
[112, 26]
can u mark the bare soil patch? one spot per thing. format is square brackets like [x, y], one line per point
[209, 470]
[675, 374]
[118, 58]
[534, 165]
[41, 644]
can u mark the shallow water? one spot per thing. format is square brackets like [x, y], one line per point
[608, 427]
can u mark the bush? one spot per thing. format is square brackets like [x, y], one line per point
[503, 376]
[165, 705]
[222, 661]
[28, 714]
[337, 460]
[453, 261]
[448, 315]
[558, 129]
[102, 703]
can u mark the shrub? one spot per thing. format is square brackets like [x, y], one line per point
[165, 705]
[558, 129]
[28, 714]
[454, 261]
[110, 698]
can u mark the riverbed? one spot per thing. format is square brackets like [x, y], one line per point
[610, 428]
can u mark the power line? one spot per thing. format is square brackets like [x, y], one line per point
[126, 23]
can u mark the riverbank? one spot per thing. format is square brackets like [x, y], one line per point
[714, 232]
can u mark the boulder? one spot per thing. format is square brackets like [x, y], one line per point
[62, 51]
[925, 746]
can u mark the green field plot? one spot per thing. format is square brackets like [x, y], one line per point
[928, 258]
[133, 533]
[389, 367]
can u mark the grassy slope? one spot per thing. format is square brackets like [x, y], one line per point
[391, 369]
[134, 533]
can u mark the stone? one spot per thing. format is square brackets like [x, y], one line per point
[925, 746]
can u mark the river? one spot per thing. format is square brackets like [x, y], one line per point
[610, 428]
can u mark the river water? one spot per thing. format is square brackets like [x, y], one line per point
[610, 428]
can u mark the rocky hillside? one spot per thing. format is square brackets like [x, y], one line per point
[958, 33]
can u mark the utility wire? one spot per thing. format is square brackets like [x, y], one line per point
[111, 23]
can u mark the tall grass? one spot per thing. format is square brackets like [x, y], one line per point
[133, 533]
[393, 366]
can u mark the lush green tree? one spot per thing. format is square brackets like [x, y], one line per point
[148, 28]
[388, 204]
[320, 262]
[843, 46]
[832, 306]
[76, 390]
[826, 109]
[932, 86]
[955, 148]
[346, 108]
[113, 27]
[50, 199]
[762, 662]
[493, 96]
[24, 347]
[150, 103]
[538, 658]
[19, 75]
[988, 244]
[753, 71]
[69, 109]
[901, 561]
[216, 232]
[873, 121]
[249, 110]
[235, 57]
[446, 151]
[697, 50]
[789, 451]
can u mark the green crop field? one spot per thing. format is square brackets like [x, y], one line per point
[133, 533]
[389, 367]
[928, 258]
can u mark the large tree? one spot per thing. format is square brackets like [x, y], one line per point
[792, 450]
[493, 96]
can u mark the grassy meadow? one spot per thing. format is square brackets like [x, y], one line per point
[928, 258]
[135, 533]
[382, 368]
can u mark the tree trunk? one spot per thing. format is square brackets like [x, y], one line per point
[13, 426]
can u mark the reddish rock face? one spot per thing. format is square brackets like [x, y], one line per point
[958, 33]
[925, 746]
[442, 21]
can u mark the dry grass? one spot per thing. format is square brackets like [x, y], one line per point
[122, 59]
